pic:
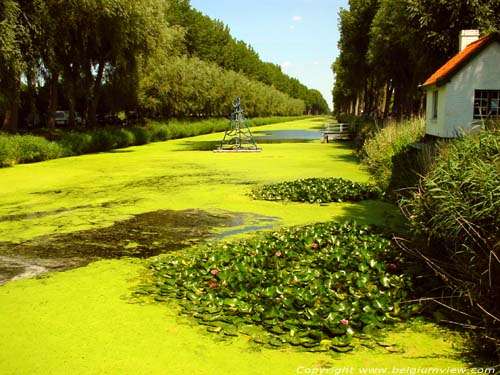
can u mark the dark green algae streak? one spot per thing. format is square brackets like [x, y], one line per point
[142, 236]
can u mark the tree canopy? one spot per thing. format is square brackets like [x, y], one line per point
[388, 47]
[155, 57]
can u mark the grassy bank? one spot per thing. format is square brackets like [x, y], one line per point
[82, 321]
[30, 148]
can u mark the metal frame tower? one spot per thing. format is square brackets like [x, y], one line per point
[238, 136]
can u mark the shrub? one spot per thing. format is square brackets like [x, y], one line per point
[141, 135]
[456, 213]
[408, 166]
[316, 190]
[7, 151]
[315, 286]
[33, 149]
[378, 151]
[159, 132]
[104, 139]
[27, 149]
[76, 143]
[124, 138]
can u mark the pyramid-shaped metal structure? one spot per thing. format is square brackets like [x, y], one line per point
[238, 136]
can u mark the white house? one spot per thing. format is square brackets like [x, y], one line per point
[465, 90]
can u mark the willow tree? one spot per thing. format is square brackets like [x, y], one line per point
[12, 62]
[87, 44]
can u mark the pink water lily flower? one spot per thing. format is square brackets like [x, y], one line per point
[314, 245]
[215, 271]
[344, 322]
[278, 253]
[212, 284]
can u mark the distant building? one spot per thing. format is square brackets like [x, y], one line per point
[466, 90]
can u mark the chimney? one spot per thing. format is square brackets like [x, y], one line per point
[467, 37]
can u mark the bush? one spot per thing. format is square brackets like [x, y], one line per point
[315, 286]
[16, 149]
[28, 148]
[76, 143]
[124, 138]
[408, 166]
[378, 152]
[7, 151]
[456, 213]
[316, 190]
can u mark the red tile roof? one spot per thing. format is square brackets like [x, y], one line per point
[443, 74]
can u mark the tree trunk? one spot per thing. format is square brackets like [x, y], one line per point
[388, 98]
[31, 74]
[95, 95]
[70, 87]
[51, 120]
[10, 122]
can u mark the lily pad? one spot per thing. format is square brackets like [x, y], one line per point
[302, 286]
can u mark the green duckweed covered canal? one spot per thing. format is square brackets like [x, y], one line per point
[97, 217]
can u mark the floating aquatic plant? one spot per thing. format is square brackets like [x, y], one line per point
[317, 190]
[313, 286]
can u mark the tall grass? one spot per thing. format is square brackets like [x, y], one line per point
[456, 215]
[379, 150]
[15, 149]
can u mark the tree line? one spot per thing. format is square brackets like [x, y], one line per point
[154, 57]
[389, 47]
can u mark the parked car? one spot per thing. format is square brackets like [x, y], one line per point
[62, 118]
[109, 119]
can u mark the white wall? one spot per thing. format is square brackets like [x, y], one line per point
[456, 98]
[436, 126]
[481, 73]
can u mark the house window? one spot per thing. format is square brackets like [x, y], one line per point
[434, 105]
[486, 103]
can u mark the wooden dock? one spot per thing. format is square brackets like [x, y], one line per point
[337, 131]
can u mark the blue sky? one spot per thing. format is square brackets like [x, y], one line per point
[299, 35]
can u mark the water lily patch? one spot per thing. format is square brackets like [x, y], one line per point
[314, 286]
[317, 190]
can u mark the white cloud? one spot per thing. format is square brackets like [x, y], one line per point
[297, 18]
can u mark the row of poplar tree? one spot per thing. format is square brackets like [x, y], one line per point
[389, 47]
[155, 57]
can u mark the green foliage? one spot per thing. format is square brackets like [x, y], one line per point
[351, 64]
[76, 143]
[155, 57]
[27, 148]
[456, 215]
[378, 152]
[388, 47]
[315, 286]
[210, 40]
[16, 149]
[316, 190]
[183, 86]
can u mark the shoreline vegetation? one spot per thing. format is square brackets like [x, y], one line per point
[96, 298]
[448, 192]
[394, 162]
[30, 148]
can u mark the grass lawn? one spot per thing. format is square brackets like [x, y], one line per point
[83, 322]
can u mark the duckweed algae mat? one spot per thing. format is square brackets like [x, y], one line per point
[66, 213]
